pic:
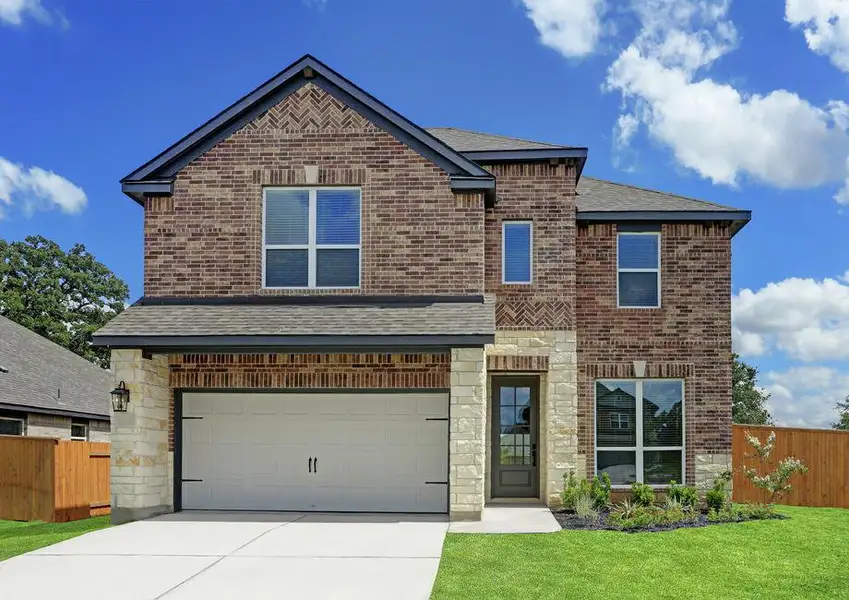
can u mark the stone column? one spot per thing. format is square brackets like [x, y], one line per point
[561, 416]
[467, 446]
[141, 479]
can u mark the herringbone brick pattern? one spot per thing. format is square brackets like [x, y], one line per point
[309, 109]
[539, 315]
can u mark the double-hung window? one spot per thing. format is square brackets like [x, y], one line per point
[311, 237]
[517, 251]
[639, 432]
[11, 426]
[638, 258]
[79, 430]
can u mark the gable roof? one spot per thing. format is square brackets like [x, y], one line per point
[156, 175]
[600, 195]
[43, 376]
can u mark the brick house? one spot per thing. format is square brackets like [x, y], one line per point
[343, 311]
[48, 391]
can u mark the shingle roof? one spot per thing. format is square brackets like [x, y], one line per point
[596, 195]
[46, 376]
[391, 318]
[463, 140]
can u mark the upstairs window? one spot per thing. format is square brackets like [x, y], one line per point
[517, 252]
[79, 430]
[311, 238]
[639, 270]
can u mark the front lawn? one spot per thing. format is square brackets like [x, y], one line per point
[17, 537]
[805, 556]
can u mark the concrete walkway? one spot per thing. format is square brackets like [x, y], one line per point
[237, 555]
[510, 518]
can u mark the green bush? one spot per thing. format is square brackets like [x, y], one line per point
[585, 508]
[732, 513]
[629, 517]
[598, 490]
[684, 495]
[642, 494]
[716, 497]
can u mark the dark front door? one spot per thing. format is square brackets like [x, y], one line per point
[515, 418]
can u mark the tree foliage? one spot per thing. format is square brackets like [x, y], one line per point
[63, 296]
[843, 411]
[749, 402]
[776, 482]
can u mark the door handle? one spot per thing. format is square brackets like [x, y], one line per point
[315, 465]
[310, 464]
[533, 455]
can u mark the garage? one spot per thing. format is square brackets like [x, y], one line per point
[314, 451]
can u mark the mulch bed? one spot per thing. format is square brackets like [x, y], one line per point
[569, 520]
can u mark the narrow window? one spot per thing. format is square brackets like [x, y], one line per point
[11, 426]
[640, 431]
[517, 252]
[79, 430]
[311, 238]
[639, 270]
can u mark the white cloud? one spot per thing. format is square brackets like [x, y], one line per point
[14, 12]
[806, 396]
[572, 27]
[37, 189]
[804, 318]
[711, 127]
[826, 27]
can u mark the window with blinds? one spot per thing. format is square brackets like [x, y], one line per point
[517, 252]
[638, 270]
[311, 238]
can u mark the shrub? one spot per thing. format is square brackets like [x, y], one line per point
[629, 517]
[732, 513]
[776, 482]
[600, 491]
[573, 488]
[716, 497]
[684, 495]
[642, 494]
[585, 508]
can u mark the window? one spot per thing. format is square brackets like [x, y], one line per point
[517, 252]
[639, 270]
[79, 430]
[11, 426]
[640, 431]
[311, 238]
[620, 420]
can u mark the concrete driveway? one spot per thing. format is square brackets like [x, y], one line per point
[238, 555]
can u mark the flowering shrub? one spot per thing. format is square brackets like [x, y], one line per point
[776, 482]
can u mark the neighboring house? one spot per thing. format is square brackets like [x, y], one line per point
[343, 311]
[48, 391]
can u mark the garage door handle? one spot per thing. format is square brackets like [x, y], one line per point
[315, 465]
[310, 464]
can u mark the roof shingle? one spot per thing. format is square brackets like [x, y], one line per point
[462, 140]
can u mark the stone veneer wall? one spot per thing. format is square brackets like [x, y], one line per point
[467, 451]
[142, 466]
[558, 435]
[52, 426]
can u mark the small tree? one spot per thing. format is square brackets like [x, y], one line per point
[843, 411]
[776, 482]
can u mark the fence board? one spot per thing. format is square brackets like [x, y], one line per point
[824, 451]
[26, 478]
[53, 480]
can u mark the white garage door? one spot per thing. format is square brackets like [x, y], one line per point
[382, 452]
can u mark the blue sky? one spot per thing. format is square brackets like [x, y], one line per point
[732, 101]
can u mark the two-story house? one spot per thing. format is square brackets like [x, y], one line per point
[343, 311]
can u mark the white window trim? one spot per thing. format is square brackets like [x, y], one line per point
[639, 449]
[19, 420]
[312, 246]
[504, 225]
[623, 270]
[79, 423]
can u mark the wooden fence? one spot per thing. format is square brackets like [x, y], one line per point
[53, 480]
[824, 451]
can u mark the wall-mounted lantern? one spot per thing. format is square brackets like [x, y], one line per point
[120, 398]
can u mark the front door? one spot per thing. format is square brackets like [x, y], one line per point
[515, 419]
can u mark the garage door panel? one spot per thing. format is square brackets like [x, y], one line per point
[375, 451]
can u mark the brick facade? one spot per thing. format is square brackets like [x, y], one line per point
[688, 338]
[305, 371]
[544, 194]
[417, 236]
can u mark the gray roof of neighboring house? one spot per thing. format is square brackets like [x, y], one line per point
[463, 140]
[41, 375]
[596, 195]
[300, 324]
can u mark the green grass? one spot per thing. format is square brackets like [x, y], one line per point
[805, 556]
[17, 537]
